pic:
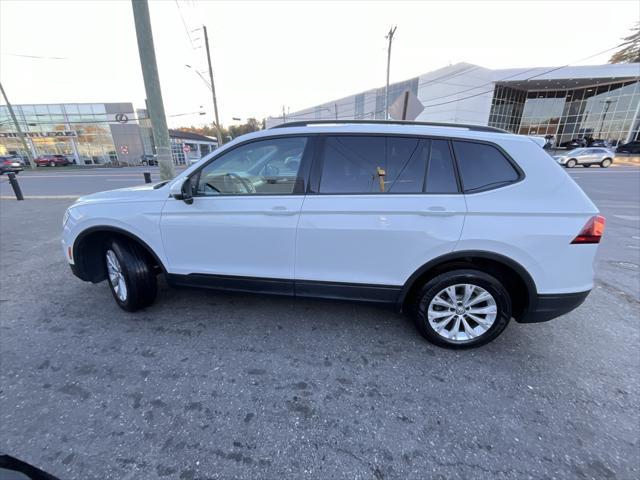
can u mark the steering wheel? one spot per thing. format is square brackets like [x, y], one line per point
[247, 185]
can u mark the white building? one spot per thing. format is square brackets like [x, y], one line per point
[564, 102]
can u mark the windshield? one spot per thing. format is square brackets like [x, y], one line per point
[577, 151]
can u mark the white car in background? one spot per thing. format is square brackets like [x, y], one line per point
[586, 157]
[463, 227]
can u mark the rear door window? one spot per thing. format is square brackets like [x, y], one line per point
[483, 166]
[372, 164]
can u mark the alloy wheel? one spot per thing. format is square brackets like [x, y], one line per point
[462, 312]
[116, 278]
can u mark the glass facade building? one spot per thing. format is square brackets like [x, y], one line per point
[607, 111]
[584, 101]
[87, 133]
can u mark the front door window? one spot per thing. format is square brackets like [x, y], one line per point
[257, 168]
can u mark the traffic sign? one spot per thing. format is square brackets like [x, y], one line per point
[124, 149]
[186, 148]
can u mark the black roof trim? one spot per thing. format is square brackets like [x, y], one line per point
[475, 128]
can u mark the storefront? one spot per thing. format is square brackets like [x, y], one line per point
[87, 133]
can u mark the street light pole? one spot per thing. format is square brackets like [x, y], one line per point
[213, 86]
[389, 36]
[18, 129]
[152, 87]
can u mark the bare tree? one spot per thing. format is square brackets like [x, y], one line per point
[630, 52]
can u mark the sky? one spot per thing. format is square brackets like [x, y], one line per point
[270, 54]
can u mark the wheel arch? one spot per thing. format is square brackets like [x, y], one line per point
[514, 276]
[91, 242]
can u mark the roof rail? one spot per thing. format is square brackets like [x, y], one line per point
[476, 128]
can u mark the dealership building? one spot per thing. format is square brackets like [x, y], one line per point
[601, 101]
[92, 133]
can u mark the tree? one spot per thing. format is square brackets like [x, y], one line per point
[252, 125]
[206, 130]
[630, 53]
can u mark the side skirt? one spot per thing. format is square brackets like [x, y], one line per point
[358, 292]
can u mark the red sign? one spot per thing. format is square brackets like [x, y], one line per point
[186, 149]
[124, 150]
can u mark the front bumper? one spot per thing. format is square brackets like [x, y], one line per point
[548, 307]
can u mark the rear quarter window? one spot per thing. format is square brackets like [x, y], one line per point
[483, 166]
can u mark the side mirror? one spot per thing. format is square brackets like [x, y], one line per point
[182, 191]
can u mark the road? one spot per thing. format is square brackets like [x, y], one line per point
[51, 181]
[207, 385]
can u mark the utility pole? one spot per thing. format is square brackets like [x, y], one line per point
[18, 129]
[389, 36]
[152, 87]
[335, 106]
[213, 87]
[284, 117]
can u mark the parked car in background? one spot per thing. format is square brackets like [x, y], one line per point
[10, 164]
[150, 160]
[22, 159]
[598, 142]
[586, 157]
[52, 161]
[574, 143]
[432, 219]
[631, 147]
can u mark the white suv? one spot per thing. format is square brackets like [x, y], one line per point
[462, 226]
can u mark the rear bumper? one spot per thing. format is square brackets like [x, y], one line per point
[548, 307]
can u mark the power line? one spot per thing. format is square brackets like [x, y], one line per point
[35, 56]
[78, 122]
[351, 100]
[449, 76]
[184, 24]
[510, 77]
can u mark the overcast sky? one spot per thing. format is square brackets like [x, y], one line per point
[269, 54]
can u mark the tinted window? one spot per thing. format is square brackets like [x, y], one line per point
[441, 177]
[482, 166]
[263, 167]
[360, 164]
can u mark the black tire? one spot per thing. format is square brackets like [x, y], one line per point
[571, 163]
[139, 277]
[467, 276]
[52, 164]
[606, 163]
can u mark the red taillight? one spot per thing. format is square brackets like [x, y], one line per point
[592, 232]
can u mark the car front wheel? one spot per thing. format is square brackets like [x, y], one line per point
[462, 309]
[571, 163]
[131, 277]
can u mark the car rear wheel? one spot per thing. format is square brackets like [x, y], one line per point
[131, 277]
[52, 164]
[571, 163]
[606, 163]
[462, 309]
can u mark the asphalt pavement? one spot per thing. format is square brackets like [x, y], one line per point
[207, 385]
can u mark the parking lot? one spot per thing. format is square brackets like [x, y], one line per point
[207, 385]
